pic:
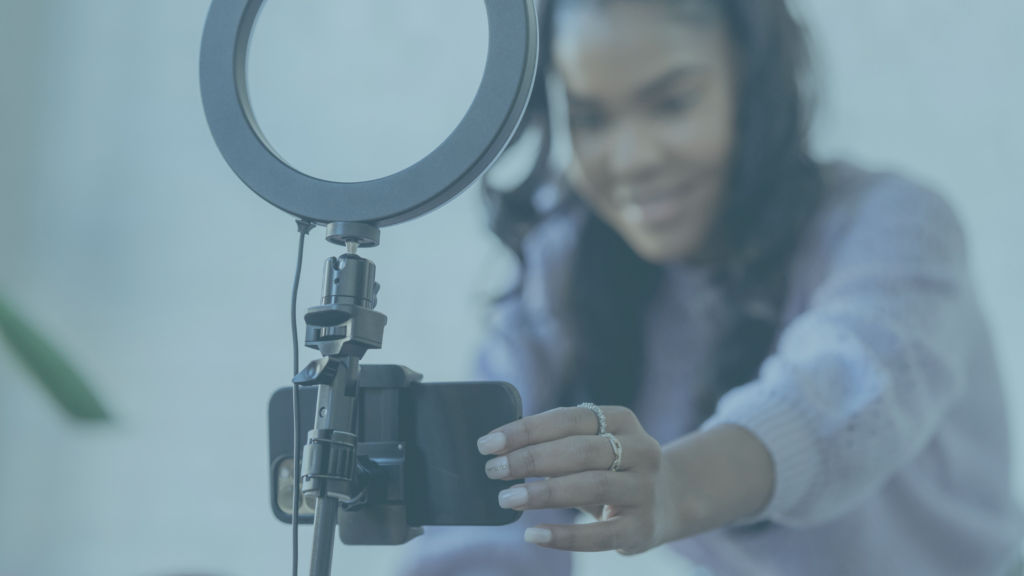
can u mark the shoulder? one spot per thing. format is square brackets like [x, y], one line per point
[885, 218]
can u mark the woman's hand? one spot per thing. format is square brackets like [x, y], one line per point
[656, 496]
[563, 446]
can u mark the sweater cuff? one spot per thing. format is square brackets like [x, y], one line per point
[789, 439]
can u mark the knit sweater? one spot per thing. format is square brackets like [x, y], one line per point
[881, 403]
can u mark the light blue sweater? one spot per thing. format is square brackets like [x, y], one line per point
[881, 405]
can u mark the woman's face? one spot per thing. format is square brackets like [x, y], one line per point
[651, 107]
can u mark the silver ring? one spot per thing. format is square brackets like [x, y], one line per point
[617, 447]
[602, 424]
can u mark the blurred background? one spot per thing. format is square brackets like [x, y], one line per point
[129, 243]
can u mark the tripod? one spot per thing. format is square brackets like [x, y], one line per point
[341, 467]
[338, 470]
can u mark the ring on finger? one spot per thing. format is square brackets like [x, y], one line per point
[617, 447]
[602, 423]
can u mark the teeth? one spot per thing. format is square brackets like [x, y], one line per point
[633, 213]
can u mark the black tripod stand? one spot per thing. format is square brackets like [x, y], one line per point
[342, 467]
[335, 470]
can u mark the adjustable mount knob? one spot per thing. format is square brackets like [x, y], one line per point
[349, 279]
[365, 235]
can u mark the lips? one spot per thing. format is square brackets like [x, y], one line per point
[654, 209]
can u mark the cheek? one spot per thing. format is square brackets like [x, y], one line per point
[588, 156]
[703, 138]
[588, 182]
[588, 171]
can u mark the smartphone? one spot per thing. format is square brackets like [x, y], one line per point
[437, 425]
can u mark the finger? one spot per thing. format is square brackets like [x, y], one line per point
[574, 491]
[559, 457]
[545, 427]
[596, 512]
[619, 533]
[552, 425]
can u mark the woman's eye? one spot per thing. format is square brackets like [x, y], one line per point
[673, 105]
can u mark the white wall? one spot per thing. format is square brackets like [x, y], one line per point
[125, 236]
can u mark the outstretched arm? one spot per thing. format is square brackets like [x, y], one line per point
[858, 385]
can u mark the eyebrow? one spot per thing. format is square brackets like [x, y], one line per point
[651, 88]
[667, 79]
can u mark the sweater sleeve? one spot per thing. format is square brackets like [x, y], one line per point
[861, 379]
[511, 354]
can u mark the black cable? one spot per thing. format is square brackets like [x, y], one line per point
[304, 228]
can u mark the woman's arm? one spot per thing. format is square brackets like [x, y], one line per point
[715, 477]
[861, 380]
[858, 385]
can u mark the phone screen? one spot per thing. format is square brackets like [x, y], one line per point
[446, 482]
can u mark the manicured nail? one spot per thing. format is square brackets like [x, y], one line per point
[537, 536]
[491, 443]
[497, 468]
[512, 497]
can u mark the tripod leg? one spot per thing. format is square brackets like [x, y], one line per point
[324, 523]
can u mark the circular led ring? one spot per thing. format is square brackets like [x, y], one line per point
[471, 148]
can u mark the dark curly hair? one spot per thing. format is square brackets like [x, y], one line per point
[774, 189]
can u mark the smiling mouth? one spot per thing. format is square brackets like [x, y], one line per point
[625, 195]
[656, 209]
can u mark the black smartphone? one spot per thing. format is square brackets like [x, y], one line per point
[439, 424]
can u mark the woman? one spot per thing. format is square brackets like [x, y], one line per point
[787, 356]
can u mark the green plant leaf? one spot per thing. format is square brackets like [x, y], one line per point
[55, 374]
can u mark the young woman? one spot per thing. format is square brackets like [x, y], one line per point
[788, 363]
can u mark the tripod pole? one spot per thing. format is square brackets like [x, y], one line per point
[336, 421]
[324, 524]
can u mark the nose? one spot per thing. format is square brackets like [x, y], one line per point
[633, 152]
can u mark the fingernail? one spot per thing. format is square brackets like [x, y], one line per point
[497, 468]
[537, 536]
[491, 443]
[512, 497]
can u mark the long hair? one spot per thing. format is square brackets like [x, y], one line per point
[773, 191]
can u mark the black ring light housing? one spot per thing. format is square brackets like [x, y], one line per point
[443, 174]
